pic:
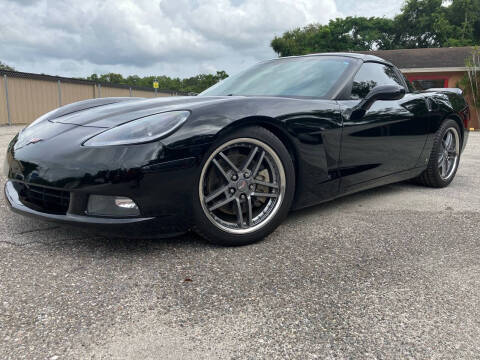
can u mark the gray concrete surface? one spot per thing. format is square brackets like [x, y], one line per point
[388, 273]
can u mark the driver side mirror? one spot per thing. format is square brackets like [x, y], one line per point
[382, 92]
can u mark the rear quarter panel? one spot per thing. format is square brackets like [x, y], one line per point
[447, 103]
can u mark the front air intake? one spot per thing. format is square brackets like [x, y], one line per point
[43, 199]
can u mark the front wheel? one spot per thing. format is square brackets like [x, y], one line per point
[245, 188]
[443, 163]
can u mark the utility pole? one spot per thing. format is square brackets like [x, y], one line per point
[155, 86]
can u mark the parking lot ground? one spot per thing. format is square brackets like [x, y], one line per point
[392, 272]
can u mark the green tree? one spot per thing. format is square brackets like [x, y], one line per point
[470, 83]
[464, 18]
[350, 33]
[421, 23]
[111, 78]
[417, 24]
[4, 66]
[194, 84]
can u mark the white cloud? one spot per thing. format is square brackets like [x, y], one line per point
[171, 37]
[368, 8]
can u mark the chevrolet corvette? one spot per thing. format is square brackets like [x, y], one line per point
[232, 162]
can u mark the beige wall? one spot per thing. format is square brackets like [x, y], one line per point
[29, 98]
[112, 92]
[454, 79]
[76, 92]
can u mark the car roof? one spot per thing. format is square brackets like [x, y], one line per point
[363, 57]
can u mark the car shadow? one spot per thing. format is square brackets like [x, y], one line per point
[33, 231]
[353, 201]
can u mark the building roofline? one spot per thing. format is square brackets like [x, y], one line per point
[434, 69]
[24, 75]
[426, 58]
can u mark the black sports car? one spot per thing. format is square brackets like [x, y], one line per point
[231, 162]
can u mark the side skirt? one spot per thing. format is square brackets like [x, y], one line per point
[384, 180]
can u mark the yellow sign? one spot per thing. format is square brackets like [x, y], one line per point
[155, 84]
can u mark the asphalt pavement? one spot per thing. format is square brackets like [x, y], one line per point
[390, 273]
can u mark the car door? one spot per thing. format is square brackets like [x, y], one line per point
[389, 138]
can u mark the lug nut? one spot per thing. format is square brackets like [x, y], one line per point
[243, 196]
[234, 177]
[232, 191]
[252, 187]
[246, 175]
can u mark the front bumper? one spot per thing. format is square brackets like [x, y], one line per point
[125, 227]
[159, 177]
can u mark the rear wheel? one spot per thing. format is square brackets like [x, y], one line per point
[445, 156]
[245, 188]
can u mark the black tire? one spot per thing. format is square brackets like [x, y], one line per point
[204, 223]
[432, 177]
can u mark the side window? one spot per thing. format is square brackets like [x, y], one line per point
[371, 75]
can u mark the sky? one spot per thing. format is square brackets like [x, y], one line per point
[177, 38]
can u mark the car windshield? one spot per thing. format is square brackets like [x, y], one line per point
[311, 76]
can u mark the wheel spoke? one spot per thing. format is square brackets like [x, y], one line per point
[271, 185]
[239, 213]
[272, 195]
[227, 160]
[453, 145]
[257, 167]
[219, 167]
[440, 159]
[221, 203]
[250, 158]
[448, 141]
[249, 204]
[450, 163]
[216, 193]
[444, 167]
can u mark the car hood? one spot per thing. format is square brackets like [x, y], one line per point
[110, 112]
[97, 114]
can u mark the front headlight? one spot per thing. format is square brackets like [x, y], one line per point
[146, 129]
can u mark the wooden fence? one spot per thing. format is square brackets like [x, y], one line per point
[24, 97]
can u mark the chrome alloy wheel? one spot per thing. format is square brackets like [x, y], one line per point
[448, 154]
[242, 185]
